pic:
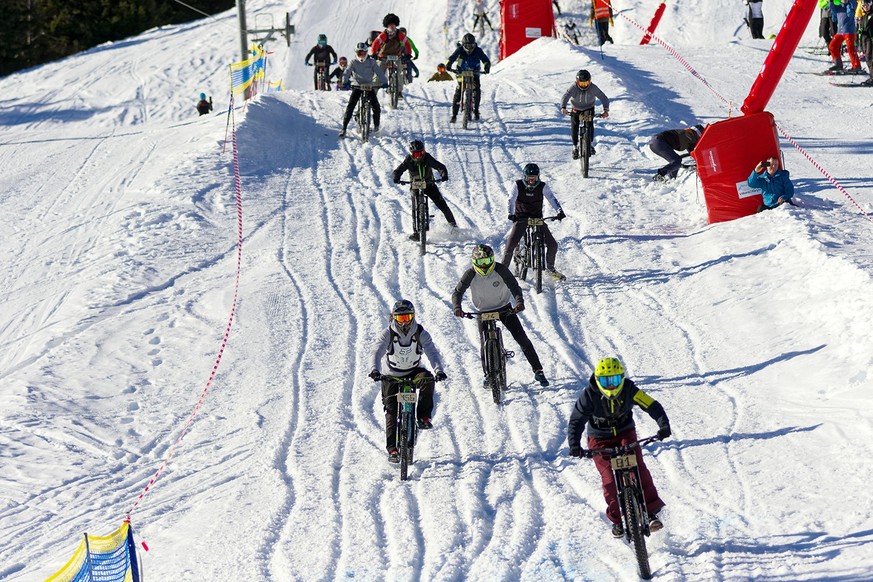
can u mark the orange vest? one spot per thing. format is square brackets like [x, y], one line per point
[601, 9]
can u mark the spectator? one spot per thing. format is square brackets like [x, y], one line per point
[843, 13]
[774, 183]
[441, 74]
[826, 27]
[756, 18]
[667, 143]
[204, 106]
[865, 35]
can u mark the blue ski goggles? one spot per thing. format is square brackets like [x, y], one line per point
[608, 382]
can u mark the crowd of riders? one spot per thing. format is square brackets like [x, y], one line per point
[605, 406]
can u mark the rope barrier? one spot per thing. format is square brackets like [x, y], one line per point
[239, 227]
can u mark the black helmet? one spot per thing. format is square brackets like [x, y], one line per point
[416, 146]
[390, 19]
[403, 314]
[468, 42]
[531, 171]
[583, 75]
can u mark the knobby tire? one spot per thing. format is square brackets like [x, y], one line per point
[468, 105]
[393, 88]
[365, 115]
[404, 445]
[497, 365]
[538, 264]
[585, 153]
[423, 223]
[633, 524]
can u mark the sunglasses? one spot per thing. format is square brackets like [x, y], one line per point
[483, 262]
[404, 318]
[610, 381]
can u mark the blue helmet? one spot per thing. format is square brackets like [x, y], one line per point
[203, 95]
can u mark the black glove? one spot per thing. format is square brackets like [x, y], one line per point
[444, 178]
[459, 312]
[664, 432]
[486, 70]
[561, 215]
[375, 375]
[519, 307]
[384, 85]
[308, 64]
[512, 217]
[576, 451]
[396, 180]
[440, 376]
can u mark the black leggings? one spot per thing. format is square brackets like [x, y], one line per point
[513, 324]
[434, 194]
[424, 408]
[353, 101]
[517, 233]
[574, 131]
[477, 96]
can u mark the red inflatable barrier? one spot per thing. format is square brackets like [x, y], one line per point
[726, 154]
[522, 22]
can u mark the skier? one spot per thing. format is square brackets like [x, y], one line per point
[470, 58]
[667, 143]
[606, 407]
[421, 164]
[755, 19]
[324, 56]
[493, 287]
[398, 351]
[581, 96]
[441, 74]
[479, 14]
[826, 27]
[843, 13]
[362, 71]
[774, 183]
[337, 74]
[864, 15]
[526, 201]
[601, 14]
[204, 106]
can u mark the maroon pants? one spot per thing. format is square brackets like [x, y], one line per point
[610, 493]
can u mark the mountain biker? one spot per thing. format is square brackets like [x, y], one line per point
[606, 406]
[390, 42]
[398, 351]
[338, 74]
[362, 71]
[526, 201]
[666, 143]
[421, 164]
[411, 69]
[323, 53]
[581, 97]
[204, 106]
[470, 58]
[493, 287]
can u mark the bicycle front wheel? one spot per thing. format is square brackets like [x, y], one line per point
[365, 121]
[404, 445]
[585, 150]
[497, 365]
[538, 264]
[633, 525]
[422, 223]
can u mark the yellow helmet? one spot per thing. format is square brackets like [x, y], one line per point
[609, 376]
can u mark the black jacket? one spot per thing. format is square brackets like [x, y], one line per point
[607, 418]
[422, 168]
[680, 139]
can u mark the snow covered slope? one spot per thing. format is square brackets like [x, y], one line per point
[118, 257]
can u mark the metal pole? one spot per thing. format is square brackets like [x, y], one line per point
[243, 36]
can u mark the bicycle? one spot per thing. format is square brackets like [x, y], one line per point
[363, 113]
[630, 497]
[407, 428]
[469, 85]
[321, 76]
[420, 213]
[494, 353]
[586, 133]
[395, 78]
[531, 251]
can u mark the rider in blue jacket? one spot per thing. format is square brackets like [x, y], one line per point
[470, 58]
[774, 183]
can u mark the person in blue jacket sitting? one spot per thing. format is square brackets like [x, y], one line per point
[774, 183]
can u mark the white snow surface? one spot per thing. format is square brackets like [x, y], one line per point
[118, 258]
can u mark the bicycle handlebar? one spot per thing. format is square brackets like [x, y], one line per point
[475, 314]
[622, 449]
[547, 218]
[406, 182]
[574, 110]
[400, 379]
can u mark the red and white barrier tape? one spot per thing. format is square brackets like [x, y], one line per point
[239, 228]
